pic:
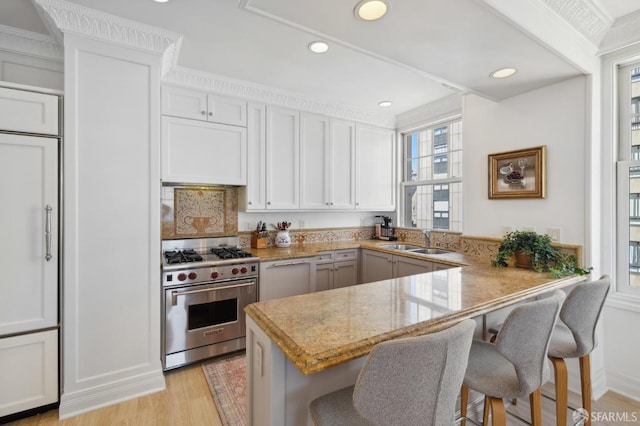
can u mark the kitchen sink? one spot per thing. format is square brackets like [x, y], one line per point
[405, 247]
[428, 251]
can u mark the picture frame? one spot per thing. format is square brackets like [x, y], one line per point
[518, 174]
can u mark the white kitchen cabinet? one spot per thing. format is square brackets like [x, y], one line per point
[203, 153]
[30, 112]
[197, 105]
[253, 195]
[336, 269]
[327, 163]
[283, 159]
[29, 371]
[375, 168]
[286, 278]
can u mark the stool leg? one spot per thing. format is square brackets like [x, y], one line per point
[464, 400]
[536, 408]
[560, 377]
[585, 381]
[485, 411]
[498, 411]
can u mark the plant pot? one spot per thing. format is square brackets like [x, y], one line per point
[523, 260]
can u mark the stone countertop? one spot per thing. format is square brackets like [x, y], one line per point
[320, 330]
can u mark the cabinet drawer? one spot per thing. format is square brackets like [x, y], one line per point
[324, 257]
[351, 254]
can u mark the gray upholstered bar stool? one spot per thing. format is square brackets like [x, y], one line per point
[516, 365]
[574, 337]
[403, 382]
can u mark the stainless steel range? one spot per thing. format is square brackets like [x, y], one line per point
[207, 282]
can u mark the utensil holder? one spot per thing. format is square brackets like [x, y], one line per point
[257, 242]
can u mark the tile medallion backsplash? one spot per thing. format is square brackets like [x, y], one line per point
[199, 211]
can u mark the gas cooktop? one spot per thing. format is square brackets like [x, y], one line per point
[197, 252]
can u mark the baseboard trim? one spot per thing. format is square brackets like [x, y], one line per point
[74, 403]
[624, 385]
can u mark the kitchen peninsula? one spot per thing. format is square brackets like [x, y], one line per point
[301, 347]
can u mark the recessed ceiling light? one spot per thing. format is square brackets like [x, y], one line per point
[384, 104]
[370, 10]
[318, 46]
[161, 1]
[503, 73]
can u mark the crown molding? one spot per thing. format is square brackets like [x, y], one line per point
[200, 80]
[64, 17]
[585, 16]
[440, 109]
[625, 32]
[30, 43]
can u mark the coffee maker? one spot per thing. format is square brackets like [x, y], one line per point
[384, 230]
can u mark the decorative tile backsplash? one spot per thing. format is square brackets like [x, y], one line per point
[199, 211]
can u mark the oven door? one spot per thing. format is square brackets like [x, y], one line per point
[205, 314]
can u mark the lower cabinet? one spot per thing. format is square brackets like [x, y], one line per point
[377, 266]
[29, 371]
[286, 278]
[336, 269]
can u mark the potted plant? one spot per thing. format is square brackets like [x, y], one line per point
[533, 250]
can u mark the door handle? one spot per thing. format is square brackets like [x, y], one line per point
[47, 232]
[176, 293]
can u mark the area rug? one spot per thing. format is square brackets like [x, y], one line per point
[228, 383]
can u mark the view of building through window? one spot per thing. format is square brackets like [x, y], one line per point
[634, 180]
[433, 177]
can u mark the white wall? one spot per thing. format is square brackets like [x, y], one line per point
[553, 116]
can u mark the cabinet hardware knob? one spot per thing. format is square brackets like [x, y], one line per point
[211, 114]
[203, 112]
[250, 203]
[269, 203]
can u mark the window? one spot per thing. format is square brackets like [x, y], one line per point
[628, 234]
[432, 177]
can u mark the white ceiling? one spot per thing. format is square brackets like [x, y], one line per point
[423, 50]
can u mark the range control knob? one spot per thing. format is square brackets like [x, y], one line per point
[182, 277]
[193, 275]
[235, 271]
[215, 274]
[244, 269]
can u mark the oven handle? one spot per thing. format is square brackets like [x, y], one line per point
[175, 293]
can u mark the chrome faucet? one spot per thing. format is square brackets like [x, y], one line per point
[427, 238]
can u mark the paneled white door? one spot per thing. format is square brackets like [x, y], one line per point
[29, 230]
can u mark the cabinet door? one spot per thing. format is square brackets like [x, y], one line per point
[375, 168]
[314, 161]
[201, 152]
[184, 103]
[342, 158]
[283, 161]
[22, 111]
[254, 195]
[405, 266]
[286, 278]
[376, 266]
[29, 233]
[224, 110]
[29, 371]
[345, 274]
[324, 276]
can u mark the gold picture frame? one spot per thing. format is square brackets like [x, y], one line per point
[518, 174]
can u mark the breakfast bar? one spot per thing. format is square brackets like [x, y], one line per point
[301, 347]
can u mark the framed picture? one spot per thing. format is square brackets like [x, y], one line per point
[518, 174]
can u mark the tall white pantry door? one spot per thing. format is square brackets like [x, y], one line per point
[28, 233]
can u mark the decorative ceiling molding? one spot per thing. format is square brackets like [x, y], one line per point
[30, 43]
[71, 18]
[625, 32]
[583, 15]
[435, 111]
[199, 80]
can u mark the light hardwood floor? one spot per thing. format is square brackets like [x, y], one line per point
[187, 401]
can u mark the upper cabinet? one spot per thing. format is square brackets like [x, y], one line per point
[253, 196]
[196, 105]
[30, 112]
[283, 158]
[375, 168]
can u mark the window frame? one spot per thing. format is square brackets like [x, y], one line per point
[404, 184]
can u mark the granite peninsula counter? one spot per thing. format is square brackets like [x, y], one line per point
[304, 346]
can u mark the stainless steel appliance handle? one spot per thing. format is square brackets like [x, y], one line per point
[47, 232]
[175, 293]
[276, 265]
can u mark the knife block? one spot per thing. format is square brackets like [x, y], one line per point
[257, 242]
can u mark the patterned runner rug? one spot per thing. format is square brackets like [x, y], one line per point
[227, 380]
